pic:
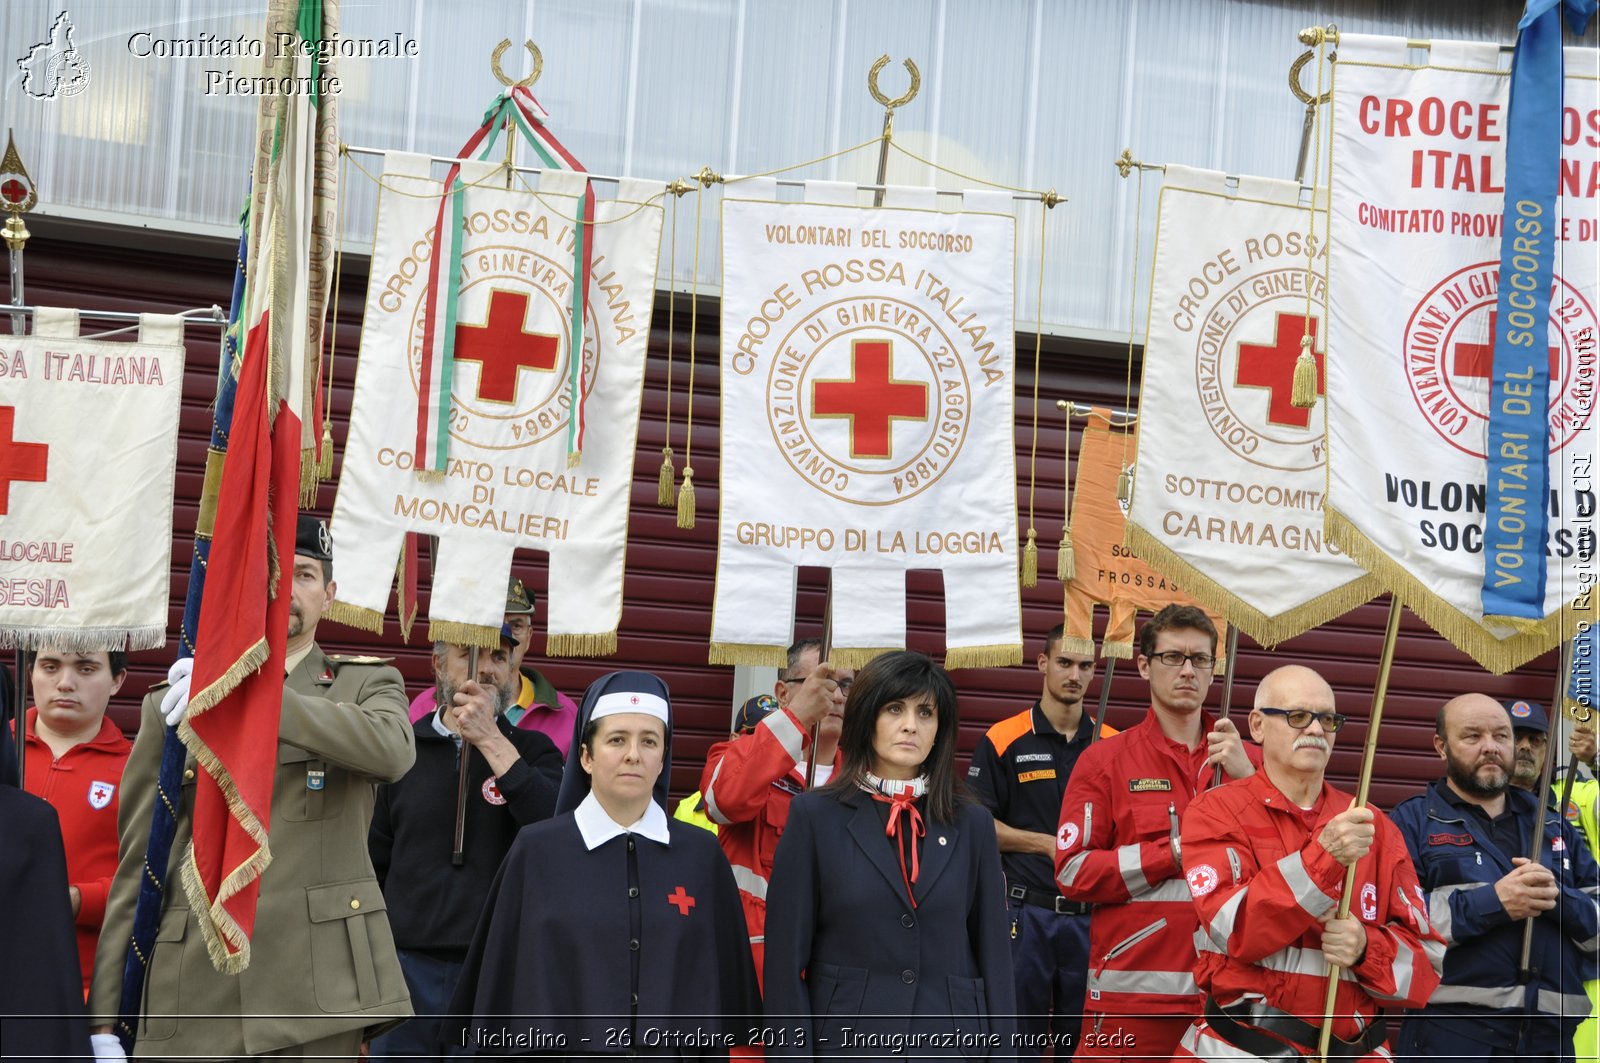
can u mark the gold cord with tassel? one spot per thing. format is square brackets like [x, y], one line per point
[686, 513]
[666, 483]
[1303, 390]
[1030, 552]
[1066, 568]
[1124, 481]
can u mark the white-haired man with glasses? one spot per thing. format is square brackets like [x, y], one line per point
[1265, 860]
[1117, 846]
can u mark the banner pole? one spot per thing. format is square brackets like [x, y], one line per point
[888, 115]
[1542, 797]
[1105, 699]
[1227, 688]
[822, 655]
[458, 850]
[1385, 666]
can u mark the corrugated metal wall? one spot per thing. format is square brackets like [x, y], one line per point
[667, 612]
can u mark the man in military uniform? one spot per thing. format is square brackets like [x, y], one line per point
[323, 975]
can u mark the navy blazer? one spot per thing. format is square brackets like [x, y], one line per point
[852, 967]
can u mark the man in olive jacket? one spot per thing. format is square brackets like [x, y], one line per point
[323, 974]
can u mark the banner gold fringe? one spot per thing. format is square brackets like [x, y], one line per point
[600, 644]
[356, 616]
[856, 657]
[308, 478]
[430, 476]
[248, 664]
[1266, 630]
[1066, 570]
[574, 458]
[1117, 651]
[1076, 646]
[1521, 624]
[1030, 561]
[84, 639]
[686, 499]
[667, 481]
[1461, 631]
[463, 634]
[982, 656]
[748, 653]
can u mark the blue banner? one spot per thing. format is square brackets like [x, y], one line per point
[1517, 516]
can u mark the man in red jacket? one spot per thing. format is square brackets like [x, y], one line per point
[75, 758]
[749, 780]
[1117, 846]
[1266, 859]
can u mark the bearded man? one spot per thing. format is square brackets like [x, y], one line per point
[1465, 834]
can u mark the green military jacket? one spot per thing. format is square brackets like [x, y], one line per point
[322, 958]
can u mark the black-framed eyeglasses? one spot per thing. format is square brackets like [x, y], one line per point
[844, 684]
[1203, 662]
[1300, 719]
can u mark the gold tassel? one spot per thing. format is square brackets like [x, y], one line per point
[308, 478]
[1124, 487]
[574, 458]
[686, 499]
[325, 462]
[1303, 394]
[1065, 569]
[667, 481]
[1030, 561]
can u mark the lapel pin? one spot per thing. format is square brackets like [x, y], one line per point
[942, 841]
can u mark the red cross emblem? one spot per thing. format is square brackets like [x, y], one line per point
[13, 191]
[24, 462]
[503, 346]
[1475, 361]
[1261, 366]
[681, 899]
[871, 398]
[633, 700]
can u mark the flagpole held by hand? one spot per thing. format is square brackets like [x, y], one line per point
[458, 846]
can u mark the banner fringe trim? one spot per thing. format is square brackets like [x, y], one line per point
[84, 639]
[856, 657]
[1268, 631]
[751, 653]
[1498, 656]
[356, 616]
[997, 656]
[1077, 646]
[596, 644]
[1117, 651]
[453, 631]
[248, 664]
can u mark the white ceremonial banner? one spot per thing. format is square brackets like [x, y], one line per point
[1418, 181]
[88, 452]
[1231, 475]
[507, 483]
[867, 423]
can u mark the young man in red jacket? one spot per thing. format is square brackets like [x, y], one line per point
[75, 758]
[1118, 847]
[1265, 859]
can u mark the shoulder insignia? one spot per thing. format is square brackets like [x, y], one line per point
[339, 659]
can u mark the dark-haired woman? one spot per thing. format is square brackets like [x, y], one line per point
[886, 921]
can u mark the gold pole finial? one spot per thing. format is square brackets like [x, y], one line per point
[527, 82]
[1126, 163]
[899, 101]
[17, 195]
[708, 177]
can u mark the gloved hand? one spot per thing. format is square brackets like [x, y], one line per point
[176, 699]
[108, 1046]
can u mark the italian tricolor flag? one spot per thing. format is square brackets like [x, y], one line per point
[232, 723]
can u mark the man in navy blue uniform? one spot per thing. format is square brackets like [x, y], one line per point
[1019, 771]
[1465, 833]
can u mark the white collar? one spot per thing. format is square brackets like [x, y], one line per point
[438, 725]
[597, 826]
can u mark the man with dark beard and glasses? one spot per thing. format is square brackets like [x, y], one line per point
[511, 781]
[1465, 834]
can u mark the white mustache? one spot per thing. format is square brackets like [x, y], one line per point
[1311, 742]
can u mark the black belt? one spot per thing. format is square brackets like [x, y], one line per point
[1261, 1030]
[1045, 899]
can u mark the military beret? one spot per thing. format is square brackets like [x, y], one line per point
[311, 538]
